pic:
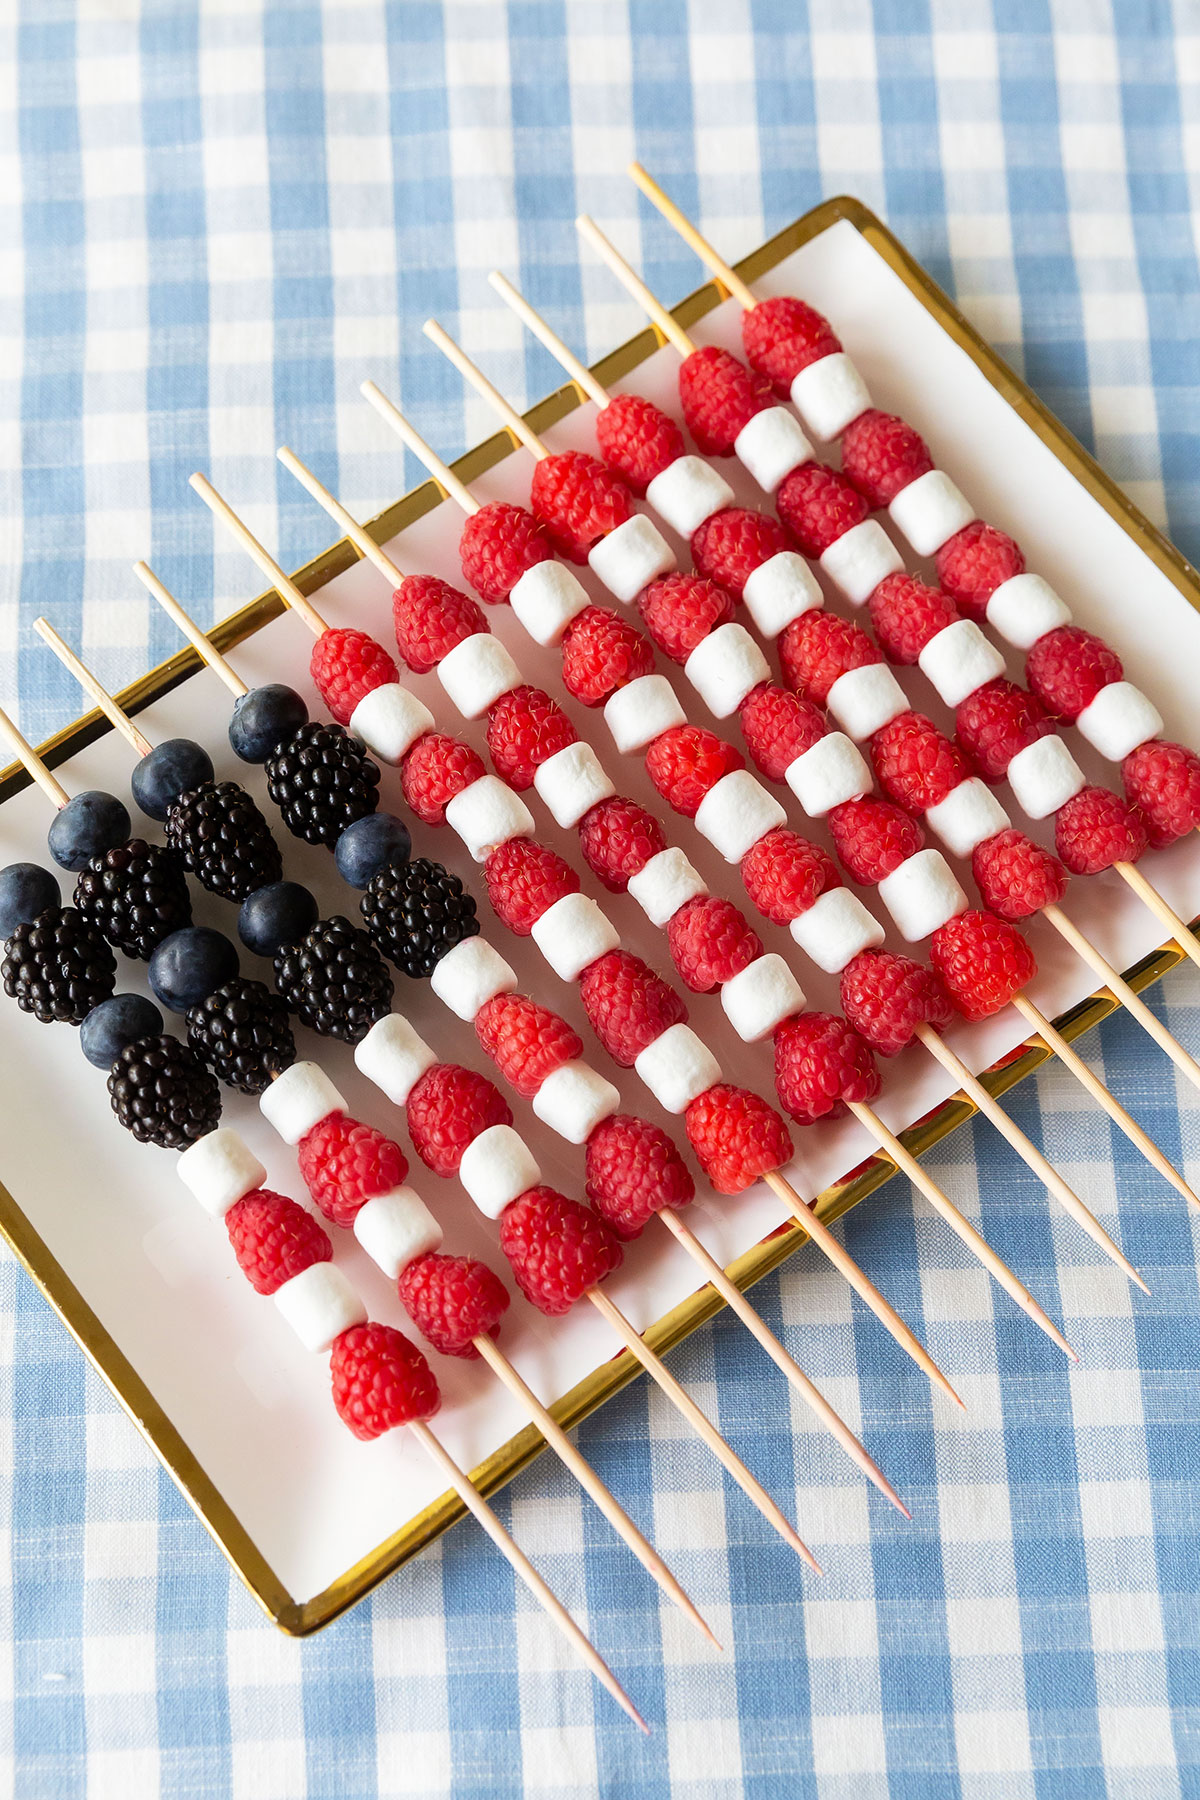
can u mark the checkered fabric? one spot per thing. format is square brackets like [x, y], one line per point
[215, 219]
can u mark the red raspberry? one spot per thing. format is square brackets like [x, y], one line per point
[1015, 876]
[779, 726]
[818, 647]
[685, 762]
[882, 454]
[618, 837]
[820, 1063]
[983, 961]
[497, 545]
[783, 335]
[525, 728]
[818, 506]
[435, 769]
[558, 1248]
[784, 874]
[380, 1380]
[1163, 782]
[344, 1164]
[915, 764]
[431, 617]
[711, 942]
[628, 1004]
[974, 562]
[447, 1109]
[526, 1041]
[737, 1137]
[347, 664]
[637, 439]
[634, 1171]
[1096, 829]
[601, 652]
[885, 997]
[274, 1239]
[452, 1300]
[524, 880]
[1067, 668]
[995, 722]
[578, 500]
[873, 837]
[906, 612]
[681, 610]
[732, 544]
[719, 395]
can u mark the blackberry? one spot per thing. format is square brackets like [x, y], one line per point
[162, 1092]
[335, 980]
[224, 839]
[135, 895]
[242, 1032]
[416, 912]
[58, 966]
[322, 780]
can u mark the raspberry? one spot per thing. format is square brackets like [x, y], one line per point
[524, 880]
[448, 1107]
[906, 612]
[681, 610]
[820, 1063]
[431, 617]
[711, 942]
[818, 506]
[818, 647]
[435, 769]
[915, 764]
[601, 652]
[783, 335]
[737, 1137]
[344, 1164]
[983, 961]
[637, 439]
[778, 726]
[274, 1239]
[685, 762]
[873, 837]
[784, 874]
[719, 395]
[628, 1004]
[974, 562]
[1096, 829]
[525, 728]
[526, 1041]
[732, 544]
[578, 500]
[452, 1300]
[380, 1380]
[558, 1248]
[618, 837]
[1015, 876]
[497, 545]
[1067, 668]
[885, 997]
[345, 665]
[882, 454]
[1163, 782]
[995, 722]
[634, 1171]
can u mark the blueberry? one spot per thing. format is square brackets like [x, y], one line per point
[87, 826]
[191, 964]
[172, 768]
[114, 1023]
[278, 914]
[367, 845]
[25, 891]
[264, 719]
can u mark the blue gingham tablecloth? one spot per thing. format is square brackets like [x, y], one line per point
[215, 219]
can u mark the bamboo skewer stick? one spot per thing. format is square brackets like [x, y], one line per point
[533, 321]
[729, 278]
[117, 718]
[667, 324]
[32, 763]
[289, 593]
[202, 645]
[1162, 909]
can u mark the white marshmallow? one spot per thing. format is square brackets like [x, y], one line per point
[573, 1100]
[476, 673]
[1024, 608]
[299, 1099]
[922, 894]
[664, 884]
[219, 1170]
[969, 815]
[677, 1067]
[859, 560]
[573, 933]
[736, 812]
[835, 928]
[930, 510]
[780, 590]
[1044, 776]
[395, 1228]
[724, 667]
[470, 975]
[630, 557]
[319, 1304]
[864, 700]
[1119, 719]
[546, 599]
[827, 774]
[687, 492]
[389, 720]
[959, 659]
[829, 395]
[487, 814]
[641, 711]
[760, 996]
[571, 782]
[770, 445]
[394, 1057]
[496, 1167]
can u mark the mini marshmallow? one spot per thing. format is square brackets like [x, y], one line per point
[573, 1100]
[395, 1228]
[630, 557]
[827, 774]
[922, 894]
[573, 933]
[835, 928]
[299, 1099]
[780, 590]
[389, 720]
[641, 711]
[969, 815]
[1024, 608]
[829, 395]
[1044, 776]
[664, 884]
[770, 445]
[470, 975]
[678, 1067]
[571, 782]
[959, 659]
[487, 814]
[930, 510]
[476, 673]
[864, 700]
[760, 997]
[736, 812]
[687, 492]
[1119, 719]
[319, 1304]
[394, 1057]
[496, 1167]
[219, 1170]
[724, 667]
[859, 560]
[546, 599]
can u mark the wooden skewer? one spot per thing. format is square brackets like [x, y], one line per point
[32, 763]
[443, 474]
[655, 311]
[286, 588]
[729, 278]
[520, 429]
[358, 535]
[1162, 909]
[117, 718]
[580, 374]
[202, 645]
